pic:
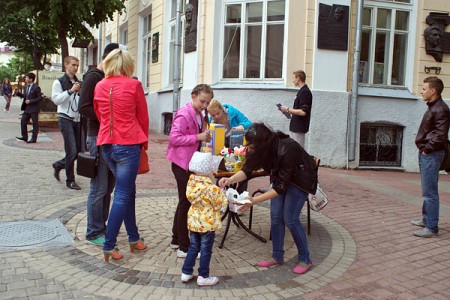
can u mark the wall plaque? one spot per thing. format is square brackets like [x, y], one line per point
[333, 27]
[190, 31]
[437, 41]
[155, 43]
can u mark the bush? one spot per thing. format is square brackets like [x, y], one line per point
[47, 105]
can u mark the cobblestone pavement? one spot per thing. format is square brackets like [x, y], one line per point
[361, 243]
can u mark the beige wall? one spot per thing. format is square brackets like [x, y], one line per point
[424, 9]
[157, 26]
[300, 43]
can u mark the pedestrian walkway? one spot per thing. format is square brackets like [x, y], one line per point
[361, 243]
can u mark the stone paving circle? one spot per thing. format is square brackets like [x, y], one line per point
[158, 269]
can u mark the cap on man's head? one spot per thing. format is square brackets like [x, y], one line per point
[110, 47]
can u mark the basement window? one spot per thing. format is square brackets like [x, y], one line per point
[380, 145]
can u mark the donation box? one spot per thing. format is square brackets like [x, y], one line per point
[217, 142]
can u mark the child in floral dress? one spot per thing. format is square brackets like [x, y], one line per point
[204, 219]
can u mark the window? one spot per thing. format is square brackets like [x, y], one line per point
[380, 145]
[108, 39]
[172, 24]
[253, 36]
[384, 44]
[147, 36]
[123, 35]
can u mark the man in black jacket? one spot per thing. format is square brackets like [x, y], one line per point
[431, 139]
[301, 110]
[30, 106]
[101, 187]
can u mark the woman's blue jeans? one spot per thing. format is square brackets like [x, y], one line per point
[429, 173]
[123, 160]
[203, 243]
[285, 211]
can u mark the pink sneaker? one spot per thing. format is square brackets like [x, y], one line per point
[302, 270]
[268, 264]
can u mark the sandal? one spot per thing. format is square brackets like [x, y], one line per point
[114, 253]
[139, 245]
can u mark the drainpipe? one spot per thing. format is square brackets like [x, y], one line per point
[176, 65]
[99, 45]
[351, 146]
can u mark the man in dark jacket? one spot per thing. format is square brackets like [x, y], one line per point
[301, 109]
[431, 140]
[101, 187]
[30, 106]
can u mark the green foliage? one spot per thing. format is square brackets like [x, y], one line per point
[6, 72]
[20, 63]
[43, 26]
[28, 31]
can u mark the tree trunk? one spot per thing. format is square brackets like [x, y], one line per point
[64, 46]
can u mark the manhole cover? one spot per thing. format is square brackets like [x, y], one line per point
[19, 235]
[32, 234]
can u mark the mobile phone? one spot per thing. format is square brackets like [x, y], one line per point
[284, 113]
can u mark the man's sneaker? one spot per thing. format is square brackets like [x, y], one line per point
[99, 241]
[174, 246]
[211, 280]
[182, 254]
[425, 233]
[418, 223]
[186, 278]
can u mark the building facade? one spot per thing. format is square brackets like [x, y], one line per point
[248, 50]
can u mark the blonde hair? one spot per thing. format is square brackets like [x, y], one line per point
[118, 62]
[69, 58]
[215, 104]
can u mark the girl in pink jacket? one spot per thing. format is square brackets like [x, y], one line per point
[189, 129]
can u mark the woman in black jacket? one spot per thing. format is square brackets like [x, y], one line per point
[293, 174]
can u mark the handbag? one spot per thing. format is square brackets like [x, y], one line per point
[143, 162]
[87, 165]
[319, 200]
[445, 165]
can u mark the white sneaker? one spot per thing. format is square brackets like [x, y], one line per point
[211, 280]
[186, 278]
[174, 246]
[182, 254]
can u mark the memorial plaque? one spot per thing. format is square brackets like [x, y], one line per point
[155, 43]
[190, 31]
[437, 41]
[333, 27]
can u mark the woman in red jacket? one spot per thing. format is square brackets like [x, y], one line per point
[121, 108]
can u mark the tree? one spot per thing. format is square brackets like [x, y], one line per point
[40, 25]
[20, 63]
[22, 28]
[70, 16]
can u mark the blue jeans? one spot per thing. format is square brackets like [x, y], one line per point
[203, 243]
[99, 197]
[429, 173]
[285, 210]
[71, 135]
[123, 160]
